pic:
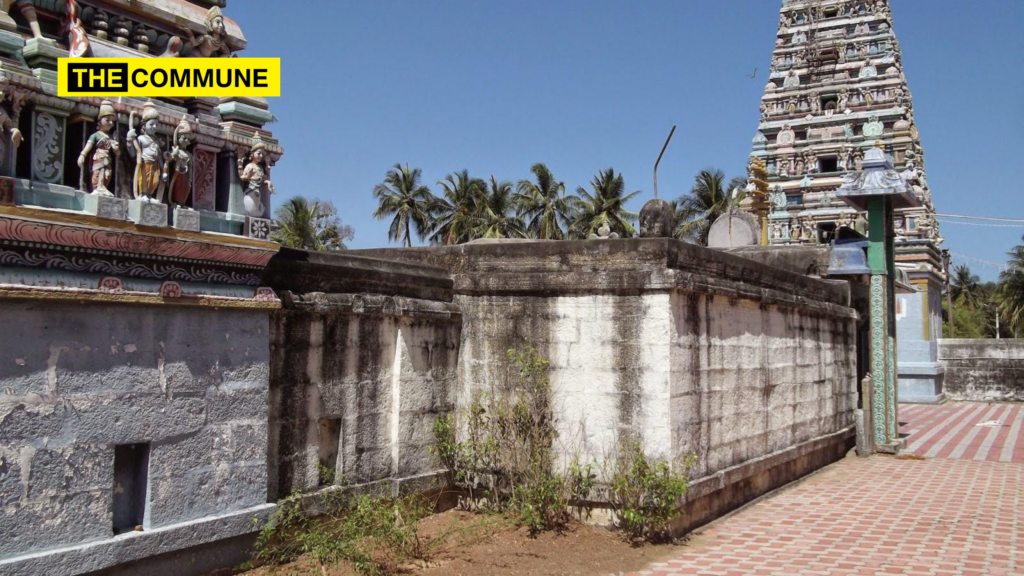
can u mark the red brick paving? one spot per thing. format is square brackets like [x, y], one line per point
[952, 431]
[883, 515]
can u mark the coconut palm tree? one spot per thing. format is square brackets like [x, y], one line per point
[707, 200]
[1011, 289]
[679, 219]
[543, 204]
[965, 286]
[310, 225]
[456, 214]
[607, 203]
[497, 213]
[402, 198]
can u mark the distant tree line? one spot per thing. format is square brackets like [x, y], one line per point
[468, 208]
[989, 309]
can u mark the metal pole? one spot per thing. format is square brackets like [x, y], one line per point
[946, 257]
[658, 161]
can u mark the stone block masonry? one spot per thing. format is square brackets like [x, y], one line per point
[683, 349]
[983, 370]
[186, 385]
[358, 378]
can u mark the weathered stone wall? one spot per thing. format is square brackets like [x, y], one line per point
[367, 373]
[78, 379]
[683, 349]
[983, 370]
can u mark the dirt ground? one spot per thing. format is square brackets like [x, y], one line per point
[475, 545]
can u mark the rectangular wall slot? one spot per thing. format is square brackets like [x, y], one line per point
[131, 476]
[330, 435]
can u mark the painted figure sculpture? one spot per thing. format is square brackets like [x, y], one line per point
[103, 149]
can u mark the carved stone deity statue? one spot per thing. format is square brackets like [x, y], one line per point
[145, 149]
[784, 167]
[900, 96]
[179, 163]
[844, 157]
[815, 102]
[858, 159]
[28, 11]
[844, 100]
[214, 42]
[103, 149]
[812, 162]
[7, 124]
[256, 176]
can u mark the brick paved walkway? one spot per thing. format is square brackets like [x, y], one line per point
[952, 515]
[967, 431]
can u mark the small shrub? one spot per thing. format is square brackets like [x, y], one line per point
[644, 493]
[505, 464]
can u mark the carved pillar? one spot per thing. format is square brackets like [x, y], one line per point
[230, 193]
[881, 259]
[48, 128]
[204, 178]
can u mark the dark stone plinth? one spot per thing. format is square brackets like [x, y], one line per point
[301, 272]
[656, 219]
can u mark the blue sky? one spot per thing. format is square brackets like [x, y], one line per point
[494, 87]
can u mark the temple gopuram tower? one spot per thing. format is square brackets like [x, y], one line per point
[837, 89]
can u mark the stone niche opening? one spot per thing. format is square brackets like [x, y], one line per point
[131, 478]
[828, 164]
[330, 435]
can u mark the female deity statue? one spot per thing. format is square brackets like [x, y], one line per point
[256, 176]
[145, 148]
[102, 147]
[214, 42]
[180, 184]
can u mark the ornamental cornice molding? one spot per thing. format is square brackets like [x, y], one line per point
[49, 228]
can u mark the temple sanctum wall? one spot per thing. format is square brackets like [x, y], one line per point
[149, 435]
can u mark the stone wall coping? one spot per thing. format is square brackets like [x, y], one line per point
[981, 348]
[306, 272]
[621, 266]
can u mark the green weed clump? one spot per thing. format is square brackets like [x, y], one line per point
[505, 462]
[645, 493]
[374, 534]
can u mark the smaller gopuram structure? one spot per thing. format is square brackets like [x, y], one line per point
[187, 163]
[133, 239]
[837, 89]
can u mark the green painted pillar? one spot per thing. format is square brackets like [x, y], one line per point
[881, 259]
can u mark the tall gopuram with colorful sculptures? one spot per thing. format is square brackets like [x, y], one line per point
[837, 88]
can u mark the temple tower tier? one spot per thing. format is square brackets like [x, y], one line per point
[836, 89]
